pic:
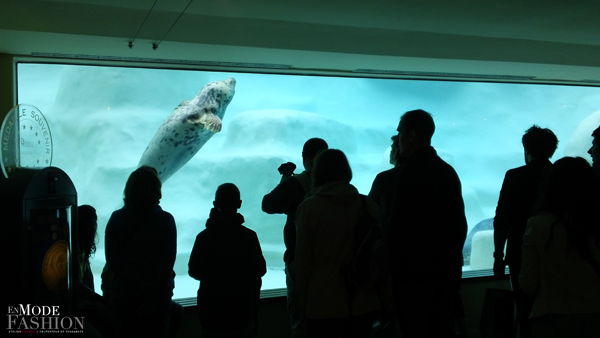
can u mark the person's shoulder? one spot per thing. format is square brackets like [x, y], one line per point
[442, 168]
[369, 201]
[382, 176]
[381, 181]
[119, 212]
[291, 181]
[117, 216]
[525, 174]
[299, 181]
[447, 166]
[516, 174]
[518, 170]
[429, 157]
[169, 215]
[367, 198]
[249, 234]
[245, 229]
[541, 221]
[203, 234]
[160, 211]
[308, 203]
[287, 186]
[542, 227]
[537, 168]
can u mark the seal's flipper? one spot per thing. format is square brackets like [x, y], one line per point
[211, 122]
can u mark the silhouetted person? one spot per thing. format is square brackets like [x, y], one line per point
[520, 191]
[426, 232]
[595, 151]
[284, 199]
[88, 225]
[228, 262]
[93, 307]
[325, 224]
[141, 245]
[561, 254]
[381, 191]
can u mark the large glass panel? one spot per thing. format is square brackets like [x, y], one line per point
[102, 119]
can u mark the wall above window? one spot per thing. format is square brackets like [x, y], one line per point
[545, 41]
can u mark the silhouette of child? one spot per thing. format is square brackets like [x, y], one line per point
[228, 262]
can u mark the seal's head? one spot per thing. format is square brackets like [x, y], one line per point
[208, 107]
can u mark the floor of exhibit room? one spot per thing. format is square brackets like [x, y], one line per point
[274, 321]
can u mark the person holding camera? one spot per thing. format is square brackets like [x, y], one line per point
[284, 199]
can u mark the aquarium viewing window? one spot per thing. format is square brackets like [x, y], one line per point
[102, 118]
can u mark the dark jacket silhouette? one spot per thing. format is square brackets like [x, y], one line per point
[228, 262]
[284, 199]
[520, 190]
[427, 227]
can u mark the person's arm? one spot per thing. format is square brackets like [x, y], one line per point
[529, 278]
[455, 208]
[303, 261]
[460, 218]
[170, 249]
[261, 264]
[172, 241]
[376, 188]
[196, 265]
[373, 209]
[502, 224]
[282, 198]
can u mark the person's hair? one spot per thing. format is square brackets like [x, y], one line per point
[540, 142]
[227, 196]
[394, 151]
[420, 122]
[312, 147]
[394, 145]
[88, 225]
[143, 188]
[572, 194]
[596, 133]
[331, 165]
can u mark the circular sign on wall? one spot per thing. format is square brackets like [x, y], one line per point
[26, 140]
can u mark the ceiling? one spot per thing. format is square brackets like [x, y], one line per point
[535, 40]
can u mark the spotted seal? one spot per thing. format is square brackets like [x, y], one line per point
[188, 128]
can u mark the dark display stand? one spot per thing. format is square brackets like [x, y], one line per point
[39, 223]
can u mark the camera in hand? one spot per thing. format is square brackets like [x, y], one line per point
[287, 168]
